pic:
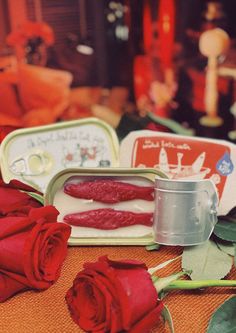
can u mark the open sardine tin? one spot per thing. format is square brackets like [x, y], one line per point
[117, 202]
[35, 154]
[185, 158]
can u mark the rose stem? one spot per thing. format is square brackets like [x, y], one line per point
[172, 282]
[184, 284]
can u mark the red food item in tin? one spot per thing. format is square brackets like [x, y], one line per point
[108, 219]
[109, 191]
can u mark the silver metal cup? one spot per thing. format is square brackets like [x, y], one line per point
[185, 211]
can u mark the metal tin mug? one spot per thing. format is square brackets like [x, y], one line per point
[185, 211]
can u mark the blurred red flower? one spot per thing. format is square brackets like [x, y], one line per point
[30, 30]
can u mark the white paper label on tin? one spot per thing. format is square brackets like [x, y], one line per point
[186, 158]
[35, 157]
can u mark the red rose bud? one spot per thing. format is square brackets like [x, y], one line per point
[114, 296]
[32, 250]
[109, 191]
[108, 219]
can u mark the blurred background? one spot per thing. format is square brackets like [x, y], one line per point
[136, 64]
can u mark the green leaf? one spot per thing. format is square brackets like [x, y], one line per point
[226, 218]
[162, 294]
[224, 318]
[226, 230]
[235, 255]
[36, 196]
[232, 212]
[153, 246]
[206, 261]
[226, 247]
[163, 283]
[171, 124]
[152, 270]
[167, 317]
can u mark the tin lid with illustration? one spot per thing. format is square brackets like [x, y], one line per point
[185, 158]
[106, 206]
[34, 155]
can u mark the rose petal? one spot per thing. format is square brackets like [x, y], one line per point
[24, 210]
[14, 225]
[129, 277]
[101, 289]
[147, 322]
[11, 199]
[17, 277]
[17, 184]
[123, 263]
[34, 252]
[9, 287]
[91, 303]
[53, 251]
[137, 294]
[78, 295]
[113, 314]
[41, 277]
[11, 250]
[48, 213]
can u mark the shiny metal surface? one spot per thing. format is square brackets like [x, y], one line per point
[185, 211]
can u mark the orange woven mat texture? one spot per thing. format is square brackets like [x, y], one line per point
[46, 312]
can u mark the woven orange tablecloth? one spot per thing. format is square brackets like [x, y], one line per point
[46, 312]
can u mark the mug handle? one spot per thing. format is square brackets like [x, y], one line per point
[208, 186]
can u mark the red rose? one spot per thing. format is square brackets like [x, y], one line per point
[14, 202]
[32, 250]
[28, 30]
[114, 296]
